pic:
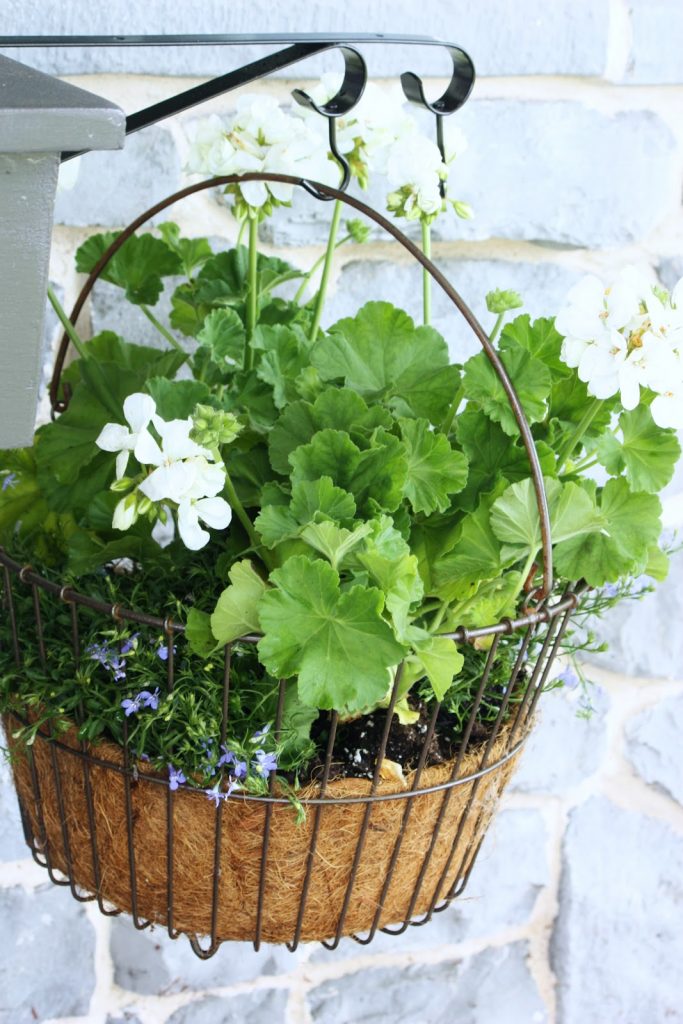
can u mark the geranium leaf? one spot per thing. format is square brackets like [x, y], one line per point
[321, 497]
[137, 267]
[532, 381]
[516, 523]
[295, 426]
[198, 633]
[442, 662]
[476, 554]
[378, 480]
[381, 354]
[336, 642]
[630, 528]
[330, 453]
[285, 355]
[435, 470]
[540, 339]
[647, 453]
[224, 336]
[332, 541]
[391, 565]
[312, 501]
[192, 252]
[237, 611]
[177, 399]
[492, 455]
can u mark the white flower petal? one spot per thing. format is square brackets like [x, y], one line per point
[147, 451]
[667, 409]
[121, 463]
[170, 482]
[114, 438]
[191, 533]
[255, 193]
[215, 512]
[164, 533]
[175, 439]
[138, 410]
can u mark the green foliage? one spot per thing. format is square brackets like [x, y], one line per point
[647, 454]
[381, 496]
[337, 643]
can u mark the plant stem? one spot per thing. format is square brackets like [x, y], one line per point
[240, 233]
[327, 269]
[246, 522]
[496, 327]
[426, 276]
[439, 617]
[162, 330]
[445, 427]
[75, 340]
[588, 417]
[318, 263]
[252, 296]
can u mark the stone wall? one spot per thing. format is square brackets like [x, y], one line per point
[575, 164]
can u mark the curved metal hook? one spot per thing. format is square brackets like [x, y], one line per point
[459, 87]
[348, 95]
[350, 91]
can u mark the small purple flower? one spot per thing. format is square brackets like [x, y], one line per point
[128, 645]
[105, 656]
[149, 700]
[162, 651]
[240, 770]
[568, 678]
[118, 668]
[175, 777]
[131, 707]
[264, 763]
[261, 732]
[215, 794]
[227, 757]
[9, 481]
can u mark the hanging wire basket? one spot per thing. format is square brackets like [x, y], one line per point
[371, 854]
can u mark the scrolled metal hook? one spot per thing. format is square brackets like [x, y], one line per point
[345, 99]
[457, 93]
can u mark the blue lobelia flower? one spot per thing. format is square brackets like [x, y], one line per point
[175, 777]
[162, 651]
[264, 763]
[131, 707]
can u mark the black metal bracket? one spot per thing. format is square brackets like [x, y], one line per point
[299, 47]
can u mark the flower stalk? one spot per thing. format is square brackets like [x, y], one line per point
[327, 269]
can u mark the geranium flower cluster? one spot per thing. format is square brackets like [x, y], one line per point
[179, 475]
[377, 136]
[627, 337]
[260, 137]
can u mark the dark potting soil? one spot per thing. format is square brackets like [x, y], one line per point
[357, 743]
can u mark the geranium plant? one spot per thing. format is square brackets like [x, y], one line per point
[347, 493]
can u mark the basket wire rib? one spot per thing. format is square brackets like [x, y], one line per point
[508, 731]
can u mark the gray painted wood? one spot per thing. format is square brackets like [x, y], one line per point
[40, 117]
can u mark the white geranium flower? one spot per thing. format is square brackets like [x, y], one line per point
[180, 461]
[138, 410]
[623, 338]
[215, 512]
